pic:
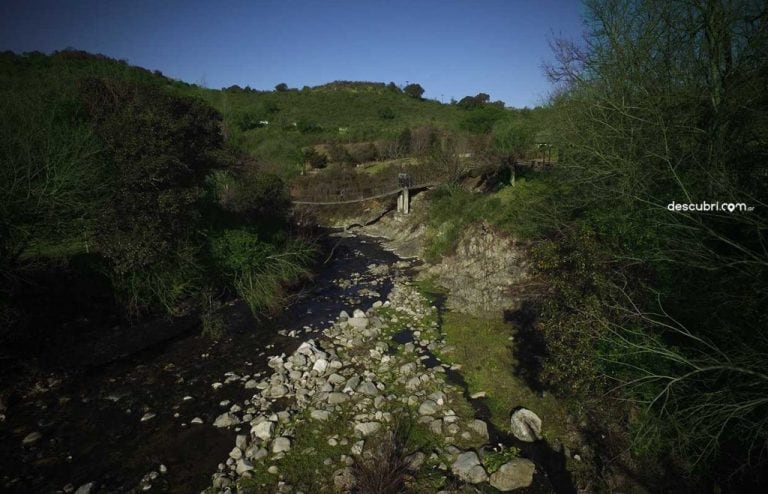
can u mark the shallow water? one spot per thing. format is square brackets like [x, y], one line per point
[90, 415]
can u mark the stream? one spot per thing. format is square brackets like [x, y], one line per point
[89, 416]
[146, 417]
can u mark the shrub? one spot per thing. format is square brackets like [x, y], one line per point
[158, 148]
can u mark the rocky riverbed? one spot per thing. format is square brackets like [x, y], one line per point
[331, 412]
[307, 402]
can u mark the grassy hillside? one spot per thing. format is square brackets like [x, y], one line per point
[344, 113]
[114, 172]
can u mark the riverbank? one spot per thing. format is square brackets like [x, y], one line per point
[75, 425]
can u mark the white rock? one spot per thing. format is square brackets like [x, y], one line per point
[320, 414]
[263, 430]
[85, 488]
[525, 425]
[281, 444]
[320, 366]
[243, 466]
[368, 428]
[468, 468]
[226, 420]
[513, 475]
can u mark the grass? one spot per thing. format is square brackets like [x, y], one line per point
[488, 364]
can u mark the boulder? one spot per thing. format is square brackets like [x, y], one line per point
[428, 407]
[513, 475]
[263, 430]
[480, 428]
[320, 415]
[526, 425]
[468, 468]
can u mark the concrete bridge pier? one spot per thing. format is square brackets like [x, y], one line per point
[404, 201]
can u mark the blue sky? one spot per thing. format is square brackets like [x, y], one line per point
[453, 48]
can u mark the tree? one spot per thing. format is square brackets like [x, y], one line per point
[414, 90]
[512, 139]
[158, 149]
[281, 88]
[666, 101]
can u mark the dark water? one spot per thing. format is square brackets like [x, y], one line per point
[89, 388]
[87, 398]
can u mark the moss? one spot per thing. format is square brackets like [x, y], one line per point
[486, 354]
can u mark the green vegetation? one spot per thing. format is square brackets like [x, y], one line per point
[654, 318]
[484, 349]
[119, 165]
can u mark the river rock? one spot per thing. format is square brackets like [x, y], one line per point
[281, 444]
[414, 461]
[359, 314]
[251, 384]
[336, 379]
[480, 428]
[320, 415]
[428, 407]
[352, 384]
[278, 391]
[236, 453]
[468, 468]
[263, 430]
[320, 366]
[226, 420]
[85, 488]
[31, 438]
[514, 474]
[526, 425]
[358, 322]
[367, 388]
[243, 466]
[368, 428]
[337, 398]
[344, 479]
[241, 441]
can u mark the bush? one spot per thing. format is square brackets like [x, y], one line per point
[258, 270]
[158, 148]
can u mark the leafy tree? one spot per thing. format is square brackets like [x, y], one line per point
[512, 139]
[414, 90]
[158, 149]
[665, 102]
[481, 120]
[281, 88]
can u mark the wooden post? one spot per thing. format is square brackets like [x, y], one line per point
[406, 201]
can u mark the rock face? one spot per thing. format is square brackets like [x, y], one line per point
[513, 475]
[526, 425]
[482, 272]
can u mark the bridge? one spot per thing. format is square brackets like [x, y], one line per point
[403, 200]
